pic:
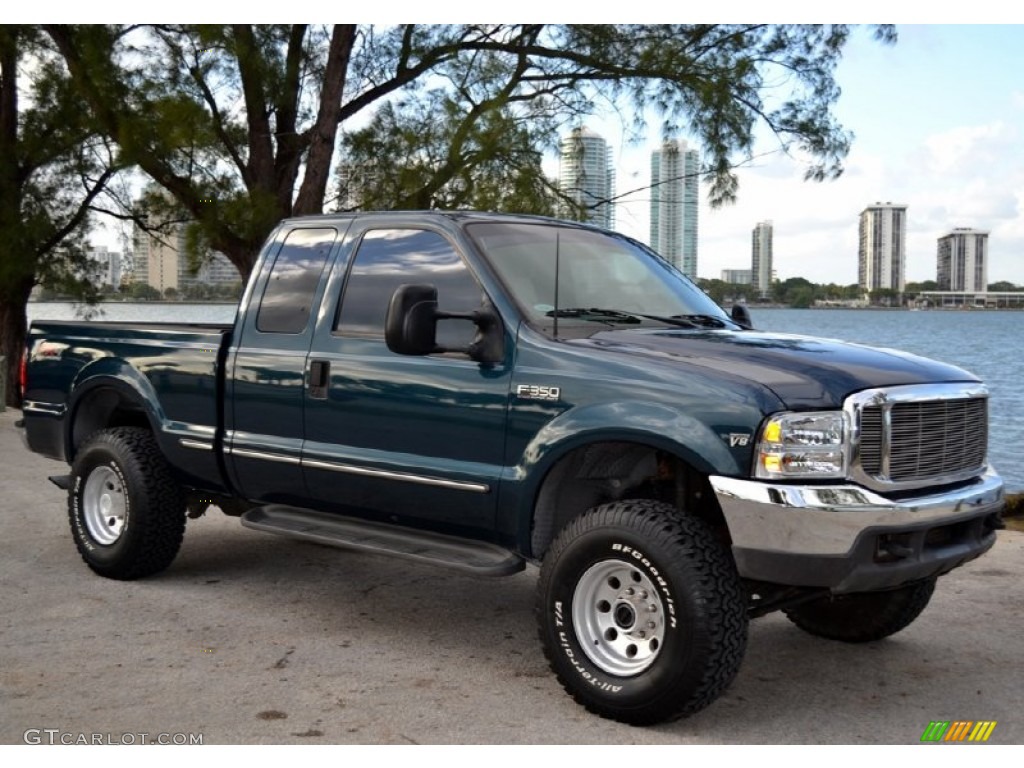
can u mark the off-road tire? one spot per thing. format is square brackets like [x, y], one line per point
[126, 511]
[863, 616]
[590, 623]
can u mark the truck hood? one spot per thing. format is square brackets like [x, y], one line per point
[803, 371]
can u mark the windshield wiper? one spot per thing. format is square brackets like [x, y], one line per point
[600, 315]
[705, 321]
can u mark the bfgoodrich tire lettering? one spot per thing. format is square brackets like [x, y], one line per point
[127, 513]
[642, 615]
[863, 616]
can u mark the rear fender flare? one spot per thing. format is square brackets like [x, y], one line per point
[112, 374]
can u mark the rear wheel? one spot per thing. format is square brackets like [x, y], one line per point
[127, 513]
[641, 612]
[863, 616]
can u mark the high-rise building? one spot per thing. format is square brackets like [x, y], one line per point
[962, 262]
[761, 259]
[160, 260]
[155, 257]
[882, 253]
[106, 266]
[675, 195]
[736, 276]
[587, 178]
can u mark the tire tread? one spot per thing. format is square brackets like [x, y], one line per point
[716, 579]
[863, 617]
[157, 517]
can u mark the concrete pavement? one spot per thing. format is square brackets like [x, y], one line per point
[249, 638]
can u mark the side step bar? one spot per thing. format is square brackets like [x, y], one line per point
[481, 558]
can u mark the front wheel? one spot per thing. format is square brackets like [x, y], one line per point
[126, 511]
[641, 612]
[863, 616]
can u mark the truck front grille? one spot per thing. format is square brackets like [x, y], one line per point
[907, 439]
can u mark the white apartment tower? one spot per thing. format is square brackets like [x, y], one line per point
[160, 260]
[105, 266]
[675, 194]
[962, 262]
[736, 276]
[882, 255]
[761, 259]
[587, 178]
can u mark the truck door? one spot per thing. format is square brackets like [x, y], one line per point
[393, 437]
[265, 376]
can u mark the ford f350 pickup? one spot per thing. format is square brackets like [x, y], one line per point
[485, 391]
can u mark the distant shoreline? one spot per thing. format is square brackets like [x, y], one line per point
[135, 301]
[751, 307]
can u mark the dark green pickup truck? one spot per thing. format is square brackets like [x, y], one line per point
[485, 391]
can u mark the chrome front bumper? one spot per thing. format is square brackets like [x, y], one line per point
[848, 538]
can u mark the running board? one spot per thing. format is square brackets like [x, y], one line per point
[479, 557]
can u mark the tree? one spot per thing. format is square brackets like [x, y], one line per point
[883, 296]
[795, 291]
[52, 167]
[912, 289]
[723, 293]
[228, 119]
[1003, 286]
[417, 155]
[143, 292]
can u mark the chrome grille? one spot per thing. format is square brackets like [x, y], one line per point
[912, 436]
[871, 440]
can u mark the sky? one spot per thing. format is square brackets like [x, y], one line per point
[938, 120]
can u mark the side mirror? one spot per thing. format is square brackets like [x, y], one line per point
[410, 327]
[741, 316]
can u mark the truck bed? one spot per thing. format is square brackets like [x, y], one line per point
[176, 368]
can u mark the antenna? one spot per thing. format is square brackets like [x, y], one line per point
[557, 233]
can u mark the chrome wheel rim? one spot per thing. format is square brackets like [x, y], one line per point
[619, 618]
[103, 506]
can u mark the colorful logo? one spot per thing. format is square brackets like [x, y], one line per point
[958, 730]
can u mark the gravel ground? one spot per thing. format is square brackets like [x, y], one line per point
[251, 639]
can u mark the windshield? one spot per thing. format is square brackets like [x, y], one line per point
[603, 279]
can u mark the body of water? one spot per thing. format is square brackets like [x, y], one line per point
[988, 344]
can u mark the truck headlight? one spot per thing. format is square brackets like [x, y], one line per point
[809, 445]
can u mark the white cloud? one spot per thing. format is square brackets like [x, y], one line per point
[971, 149]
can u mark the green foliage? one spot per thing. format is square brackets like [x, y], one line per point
[1002, 286]
[239, 123]
[793, 291]
[884, 297]
[52, 166]
[910, 290]
[142, 292]
[1014, 505]
[724, 293]
[417, 156]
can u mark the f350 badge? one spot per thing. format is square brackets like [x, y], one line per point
[538, 392]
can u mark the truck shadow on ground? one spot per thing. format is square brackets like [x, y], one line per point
[451, 618]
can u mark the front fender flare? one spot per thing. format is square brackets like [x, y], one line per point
[659, 426]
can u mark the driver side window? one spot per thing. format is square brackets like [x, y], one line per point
[389, 258]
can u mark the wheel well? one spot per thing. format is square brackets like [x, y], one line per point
[603, 472]
[104, 408]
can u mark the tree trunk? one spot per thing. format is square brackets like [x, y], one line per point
[324, 132]
[13, 330]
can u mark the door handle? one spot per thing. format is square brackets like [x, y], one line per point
[319, 376]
